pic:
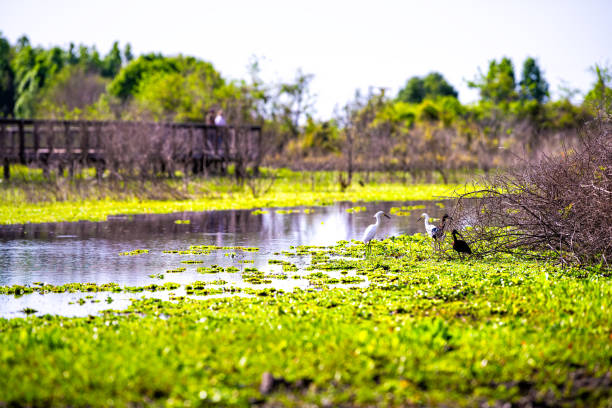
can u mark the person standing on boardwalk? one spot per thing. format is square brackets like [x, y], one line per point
[220, 123]
[219, 119]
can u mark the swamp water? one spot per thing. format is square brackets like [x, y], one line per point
[82, 252]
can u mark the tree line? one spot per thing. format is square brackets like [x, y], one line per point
[422, 129]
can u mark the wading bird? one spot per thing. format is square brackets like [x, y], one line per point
[430, 228]
[369, 233]
[460, 245]
[434, 232]
[440, 230]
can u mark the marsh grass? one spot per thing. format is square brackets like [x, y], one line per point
[29, 197]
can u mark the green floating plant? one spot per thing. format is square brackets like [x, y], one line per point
[134, 252]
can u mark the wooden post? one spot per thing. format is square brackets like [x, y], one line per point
[84, 143]
[97, 154]
[36, 136]
[22, 158]
[3, 150]
[68, 149]
[257, 145]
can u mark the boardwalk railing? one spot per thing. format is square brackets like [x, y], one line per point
[118, 145]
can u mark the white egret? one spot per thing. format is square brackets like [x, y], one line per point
[369, 233]
[430, 228]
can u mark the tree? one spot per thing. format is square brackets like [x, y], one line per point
[499, 85]
[70, 93]
[533, 86]
[7, 77]
[435, 85]
[33, 68]
[112, 62]
[413, 91]
[72, 57]
[431, 86]
[127, 80]
[600, 97]
[295, 101]
[26, 82]
[178, 88]
[127, 53]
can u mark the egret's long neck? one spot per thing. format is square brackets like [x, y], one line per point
[378, 220]
[427, 219]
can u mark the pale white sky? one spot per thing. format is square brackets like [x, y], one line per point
[345, 44]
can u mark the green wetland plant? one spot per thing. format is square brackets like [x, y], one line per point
[426, 331]
[27, 198]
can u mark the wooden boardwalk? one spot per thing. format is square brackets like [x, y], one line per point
[66, 143]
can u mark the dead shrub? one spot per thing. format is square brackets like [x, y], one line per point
[559, 205]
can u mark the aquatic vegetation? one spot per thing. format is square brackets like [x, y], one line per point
[68, 287]
[428, 330]
[286, 265]
[182, 221]
[257, 212]
[134, 252]
[16, 206]
[177, 270]
[210, 269]
[356, 209]
[289, 211]
[406, 210]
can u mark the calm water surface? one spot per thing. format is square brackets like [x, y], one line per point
[59, 253]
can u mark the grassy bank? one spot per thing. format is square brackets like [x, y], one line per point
[428, 331]
[29, 197]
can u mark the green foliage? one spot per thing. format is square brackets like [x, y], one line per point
[129, 81]
[499, 84]
[413, 91]
[37, 71]
[321, 137]
[72, 93]
[27, 196]
[112, 62]
[600, 97]
[426, 331]
[431, 86]
[533, 86]
[294, 101]
[7, 87]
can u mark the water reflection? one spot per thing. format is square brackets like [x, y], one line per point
[59, 253]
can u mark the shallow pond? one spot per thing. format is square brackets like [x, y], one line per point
[61, 253]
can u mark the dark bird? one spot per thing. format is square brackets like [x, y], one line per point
[460, 245]
[440, 230]
[435, 232]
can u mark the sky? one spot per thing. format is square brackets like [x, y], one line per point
[346, 45]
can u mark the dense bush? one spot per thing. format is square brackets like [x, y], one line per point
[560, 203]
